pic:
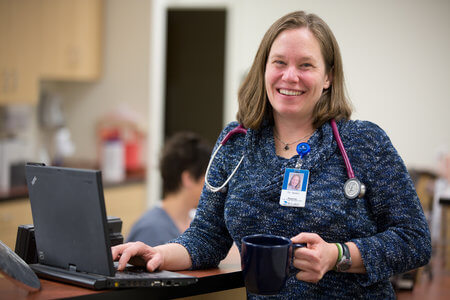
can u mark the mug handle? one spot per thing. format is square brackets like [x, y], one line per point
[297, 245]
[294, 247]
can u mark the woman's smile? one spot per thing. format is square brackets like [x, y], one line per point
[290, 92]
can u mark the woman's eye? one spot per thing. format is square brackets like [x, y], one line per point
[306, 65]
[279, 62]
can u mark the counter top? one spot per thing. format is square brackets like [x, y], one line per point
[227, 276]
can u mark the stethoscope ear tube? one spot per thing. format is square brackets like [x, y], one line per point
[223, 187]
[239, 129]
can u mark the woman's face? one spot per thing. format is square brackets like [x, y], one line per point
[295, 74]
[295, 180]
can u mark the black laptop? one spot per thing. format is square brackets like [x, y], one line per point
[71, 232]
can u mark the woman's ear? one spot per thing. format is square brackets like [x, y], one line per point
[328, 80]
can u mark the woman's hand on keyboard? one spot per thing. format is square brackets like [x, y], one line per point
[172, 256]
[138, 254]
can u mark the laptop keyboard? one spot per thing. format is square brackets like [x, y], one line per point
[140, 272]
[133, 273]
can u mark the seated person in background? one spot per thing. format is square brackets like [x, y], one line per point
[182, 165]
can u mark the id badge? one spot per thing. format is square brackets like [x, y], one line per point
[295, 186]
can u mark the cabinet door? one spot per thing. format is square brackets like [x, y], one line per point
[126, 202]
[19, 51]
[13, 213]
[71, 39]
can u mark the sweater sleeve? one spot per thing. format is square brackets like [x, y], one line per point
[403, 240]
[207, 240]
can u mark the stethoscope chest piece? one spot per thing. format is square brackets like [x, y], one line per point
[353, 188]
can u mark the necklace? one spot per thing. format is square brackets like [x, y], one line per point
[286, 145]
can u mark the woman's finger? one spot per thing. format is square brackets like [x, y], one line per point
[307, 238]
[136, 253]
[116, 251]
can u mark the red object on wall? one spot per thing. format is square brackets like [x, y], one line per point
[132, 155]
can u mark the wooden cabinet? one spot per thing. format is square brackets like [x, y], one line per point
[71, 39]
[19, 51]
[126, 202]
[12, 214]
[47, 39]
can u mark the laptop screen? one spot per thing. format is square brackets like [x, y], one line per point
[69, 217]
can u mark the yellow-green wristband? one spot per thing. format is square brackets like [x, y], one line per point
[340, 252]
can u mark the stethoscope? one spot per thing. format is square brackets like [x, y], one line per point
[353, 188]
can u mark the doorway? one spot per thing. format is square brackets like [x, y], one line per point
[195, 62]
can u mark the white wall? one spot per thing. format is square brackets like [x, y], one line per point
[396, 62]
[124, 80]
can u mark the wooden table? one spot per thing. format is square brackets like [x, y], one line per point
[227, 276]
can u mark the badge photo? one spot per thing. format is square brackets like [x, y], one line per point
[295, 186]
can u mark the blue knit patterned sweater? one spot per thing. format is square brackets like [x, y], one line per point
[387, 225]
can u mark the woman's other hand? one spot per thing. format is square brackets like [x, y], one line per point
[138, 254]
[314, 260]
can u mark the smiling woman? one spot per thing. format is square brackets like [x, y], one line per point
[294, 93]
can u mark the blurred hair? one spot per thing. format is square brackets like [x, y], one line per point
[184, 151]
[254, 105]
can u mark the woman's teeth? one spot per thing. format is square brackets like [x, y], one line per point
[290, 92]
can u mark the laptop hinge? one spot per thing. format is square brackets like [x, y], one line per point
[72, 268]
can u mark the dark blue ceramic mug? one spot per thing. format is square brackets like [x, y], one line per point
[265, 261]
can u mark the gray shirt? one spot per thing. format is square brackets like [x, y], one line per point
[154, 228]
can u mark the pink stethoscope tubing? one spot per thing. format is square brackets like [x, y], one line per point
[353, 188]
[338, 139]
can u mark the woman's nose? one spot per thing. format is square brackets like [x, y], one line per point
[291, 74]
